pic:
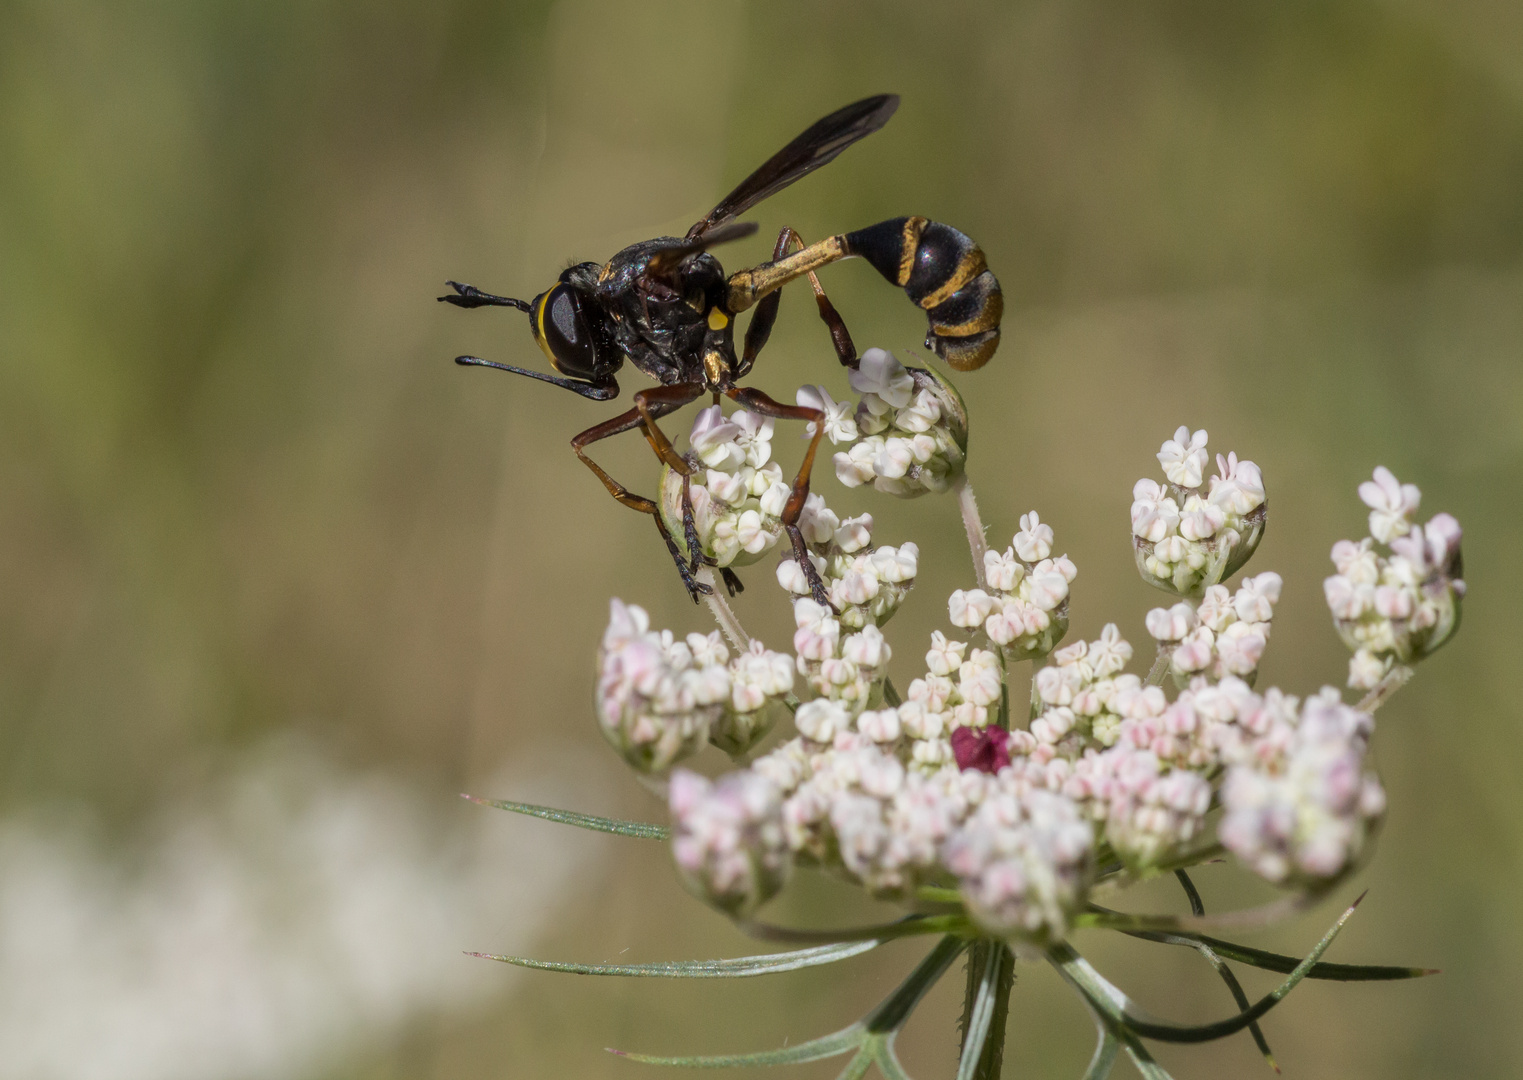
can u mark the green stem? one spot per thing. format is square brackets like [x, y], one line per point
[985, 1009]
[723, 614]
[974, 526]
[1394, 680]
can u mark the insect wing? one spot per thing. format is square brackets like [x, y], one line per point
[817, 146]
[664, 262]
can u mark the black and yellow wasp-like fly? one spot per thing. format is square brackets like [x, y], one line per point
[667, 307]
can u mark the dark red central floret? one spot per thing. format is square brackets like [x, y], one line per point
[985, 749]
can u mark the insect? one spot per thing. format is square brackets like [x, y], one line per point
[667, 307]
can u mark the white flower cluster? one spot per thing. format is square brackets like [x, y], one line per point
[1085, 695]
[1186, 536]
[1025, 608]
[728, 838]
[913, 427]
[1225, 634]
[1396, 608]
[1022, 855]
[739, 494]
[1301, 805]
[659, 698]
[865, 584]
[1023, 860]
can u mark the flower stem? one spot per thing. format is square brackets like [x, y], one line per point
[986, 954]
[723, 614]
[974, 526]
[1394, 680]
[1160, 666]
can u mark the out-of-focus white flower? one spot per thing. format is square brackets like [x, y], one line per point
[656, 703]
[1392, 504]
[1301, 809]
[1397, 608]
[759, 680]
[727, 839]
[1185, 538]
[1023, 861]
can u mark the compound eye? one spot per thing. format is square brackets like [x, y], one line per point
[563, 333]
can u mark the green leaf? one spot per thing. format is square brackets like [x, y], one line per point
[872, 1038]
[1235, 988]
[834, 1045]
[739, 967]
[1115, 1004]
[896, 1008]
[1276, 962]
[643, 830]
[908, 927]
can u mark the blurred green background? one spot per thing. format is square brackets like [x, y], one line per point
[277, 579]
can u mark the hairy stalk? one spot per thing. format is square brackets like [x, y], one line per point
[723, 614]
[984, 954]
[1160, 666]
[1394, 680]
[974, 526]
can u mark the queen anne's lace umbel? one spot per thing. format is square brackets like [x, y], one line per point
[949, 785]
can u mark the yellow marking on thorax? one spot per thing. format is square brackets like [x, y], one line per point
[718, 320]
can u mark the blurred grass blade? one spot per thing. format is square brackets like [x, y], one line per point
[834, 1045]
[1102, 918]
[896, 1008]
[739, 967]
[643, 830]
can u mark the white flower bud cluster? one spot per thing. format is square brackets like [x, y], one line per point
[1225, 634]
[1086, 695]
[1396, 608]
[841, 668]
[914, 428]
[660, 698]
[961, 688]
[866, 584]
[1023, 859]
[1187, 537]
[1025, 608]
[727, 838]
[1301, 805]
[1149, 808]
[739, 493]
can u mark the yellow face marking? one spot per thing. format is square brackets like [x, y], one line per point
[718, 320]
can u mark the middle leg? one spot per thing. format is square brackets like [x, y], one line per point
[753, 400]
